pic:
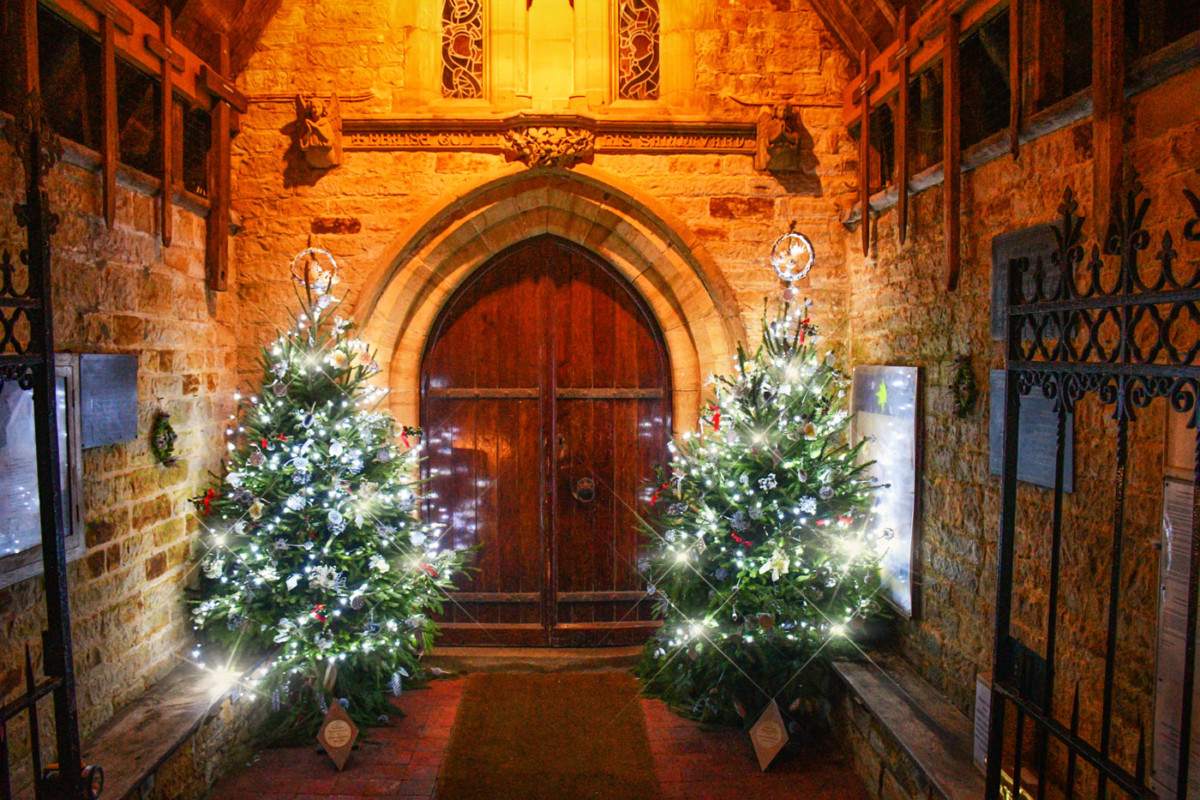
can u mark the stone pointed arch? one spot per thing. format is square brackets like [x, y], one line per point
[695, 307]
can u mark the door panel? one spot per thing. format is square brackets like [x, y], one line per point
[545, 369]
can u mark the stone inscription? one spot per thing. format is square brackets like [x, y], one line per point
[364, 134]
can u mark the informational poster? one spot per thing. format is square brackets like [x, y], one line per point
[884, 402]
[1174, 566]
[19, 501]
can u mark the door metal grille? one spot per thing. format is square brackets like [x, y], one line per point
[1116, 323]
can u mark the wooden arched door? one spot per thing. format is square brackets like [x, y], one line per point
[545, 399]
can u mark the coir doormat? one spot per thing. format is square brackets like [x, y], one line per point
[528, 737]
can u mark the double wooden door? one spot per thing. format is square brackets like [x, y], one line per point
[545, 397]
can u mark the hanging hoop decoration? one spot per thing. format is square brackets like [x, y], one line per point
[310, 275]
[793, 256]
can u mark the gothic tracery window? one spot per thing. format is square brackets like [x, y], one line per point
[637, 49]
[462, 48]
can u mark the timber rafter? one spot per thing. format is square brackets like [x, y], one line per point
[923, 49]
[845, 26]
[138, 38]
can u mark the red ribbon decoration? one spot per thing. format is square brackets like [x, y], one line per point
[716, 416]
[739, 539]
[430, 570]
[657, 492]
[803, 329]
[208, 498]
[316, 612]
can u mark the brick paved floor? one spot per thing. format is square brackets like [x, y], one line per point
[402, 761]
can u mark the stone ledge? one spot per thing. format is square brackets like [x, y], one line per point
[922, 727]
[142, 737]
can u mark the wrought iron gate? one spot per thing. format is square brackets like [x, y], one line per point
[1116, 324]
[27, 356]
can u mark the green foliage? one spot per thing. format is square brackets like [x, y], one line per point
[762, 560]
[313, 547]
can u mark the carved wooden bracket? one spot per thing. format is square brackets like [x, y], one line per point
[549, 140]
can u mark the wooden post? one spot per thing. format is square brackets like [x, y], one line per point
[864, 154]
[1016, 70]
[901, 66]
[171, 61]
[951, 150]
[225, 94]
[110, 151]
[1108, 106]
[112, 19]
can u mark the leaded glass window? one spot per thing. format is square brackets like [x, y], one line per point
[462, 48]
[637, 49]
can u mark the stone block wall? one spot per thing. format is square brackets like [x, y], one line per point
[901, 314]
[120, 291]
[759, 51]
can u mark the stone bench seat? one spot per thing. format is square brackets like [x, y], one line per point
[907, 741]
[136, 745]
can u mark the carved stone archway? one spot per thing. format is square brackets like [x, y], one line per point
[694, 305]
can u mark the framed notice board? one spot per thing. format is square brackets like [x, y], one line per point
[885, 403]
[20, 508]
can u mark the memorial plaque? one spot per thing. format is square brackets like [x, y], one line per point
[108, 395]
[886, 413]
[769, 735]
[337, 734]
[1038, 437]
[1028, 243]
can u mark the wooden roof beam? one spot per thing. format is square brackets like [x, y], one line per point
[845, 27]
[924, 48]
[247, 29]
[888, 11]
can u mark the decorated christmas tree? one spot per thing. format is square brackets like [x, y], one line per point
[762, 560]
[314, 548]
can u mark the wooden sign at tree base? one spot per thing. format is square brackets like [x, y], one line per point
[337, 734]
[769, 735]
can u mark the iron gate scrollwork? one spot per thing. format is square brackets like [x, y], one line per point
[27, 356]
[1118, 324]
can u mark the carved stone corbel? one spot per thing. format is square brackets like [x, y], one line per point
[550, 146]
[319, 131]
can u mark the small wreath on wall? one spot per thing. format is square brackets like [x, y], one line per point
[162, 439]
[963, 387]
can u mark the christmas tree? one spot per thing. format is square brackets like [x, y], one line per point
[762, 559]
[314, 547]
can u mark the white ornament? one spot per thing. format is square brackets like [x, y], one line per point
[793, 256]
[324, 577]
[778, 564]
[379, 563]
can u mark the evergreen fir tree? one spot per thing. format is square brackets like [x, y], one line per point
[761, 559]
[314, 547]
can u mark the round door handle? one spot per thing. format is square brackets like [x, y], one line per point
[584, 490]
